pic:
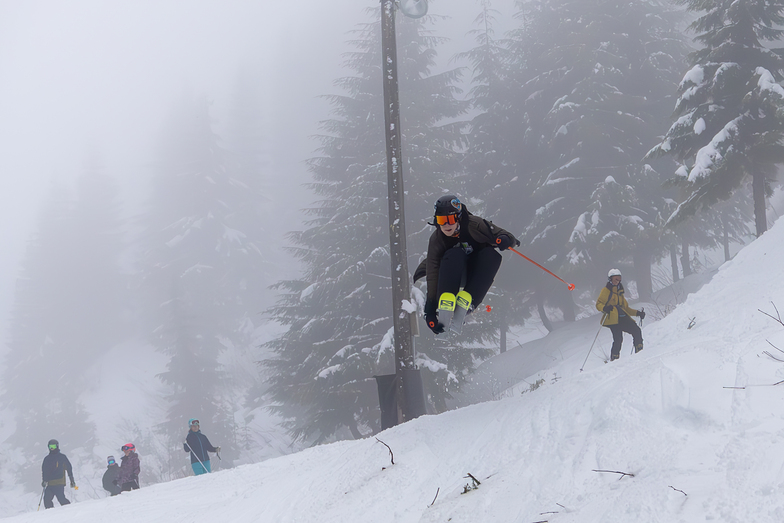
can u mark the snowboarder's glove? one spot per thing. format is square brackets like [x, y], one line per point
[73, 484]
[217, 449]
[607, 309]
[44, 484]
[503, 242]
[641, 314]
[433, 324]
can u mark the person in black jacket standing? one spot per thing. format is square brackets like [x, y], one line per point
[110, 477]
[199, 446]
[53, 471]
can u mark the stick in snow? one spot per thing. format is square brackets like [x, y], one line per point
[434, 499]
[391, 456]
[679, 490]
[754, 385]
[777, 317]
[616, 472]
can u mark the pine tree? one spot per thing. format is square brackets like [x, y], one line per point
[493, 158]
[200, 249]
[730, 121]
[338, 312]
[593, 76]
[67, 314]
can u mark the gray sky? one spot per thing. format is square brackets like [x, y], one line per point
[91, 75]
[85, 76]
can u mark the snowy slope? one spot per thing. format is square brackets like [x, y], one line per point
[698, 451]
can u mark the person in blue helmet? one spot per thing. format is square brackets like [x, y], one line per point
[199, 447]
[110, 477]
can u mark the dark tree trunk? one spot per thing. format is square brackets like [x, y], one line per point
[352, 426]
[566, 303]
[540, 307]
[504, 322]
[642, 267]
[685, 261]
[725, 240]
[676, 275]
[503, 337]
[758, 189]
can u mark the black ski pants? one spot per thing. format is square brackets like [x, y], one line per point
[129, 485]
[52, 491]
[625, 324]
[477, 270]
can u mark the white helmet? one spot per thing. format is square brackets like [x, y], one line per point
[613, 272]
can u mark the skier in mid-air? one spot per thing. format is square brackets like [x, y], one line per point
[460, 253]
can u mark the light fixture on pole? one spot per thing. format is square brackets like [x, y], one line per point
[413, 8]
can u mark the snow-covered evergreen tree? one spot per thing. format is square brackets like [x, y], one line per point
[594, 76]
[338, 313]
[493, 158]
[730, 114]
[68, 309]
[201, 249]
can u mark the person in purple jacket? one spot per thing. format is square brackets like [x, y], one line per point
[199, 446]
[128, 479]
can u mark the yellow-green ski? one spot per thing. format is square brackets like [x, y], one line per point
[447, 302]
[463, 300]
[446, 307]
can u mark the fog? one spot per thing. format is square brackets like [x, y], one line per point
[89, 88]
[86, 78]
[94, 77]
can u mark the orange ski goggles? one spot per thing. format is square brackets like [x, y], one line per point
[450, 219]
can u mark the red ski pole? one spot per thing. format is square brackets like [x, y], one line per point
[570, 286]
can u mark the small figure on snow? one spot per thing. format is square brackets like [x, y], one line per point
[460, 252]
[128, 478]
[110, 477]
[617, 314]
[199, 446]
[53, 471]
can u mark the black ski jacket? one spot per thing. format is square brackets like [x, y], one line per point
[475, 232]
[109, 477]
[55, 467]
[199, 445]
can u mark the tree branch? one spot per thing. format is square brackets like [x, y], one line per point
[777, 317]
[391, 456]
[434, 499]
[679, 490]
[616, 472]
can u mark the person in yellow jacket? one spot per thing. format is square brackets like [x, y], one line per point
[617, 314]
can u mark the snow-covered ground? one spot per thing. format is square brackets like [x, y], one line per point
[690, 429]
